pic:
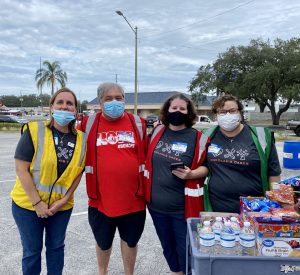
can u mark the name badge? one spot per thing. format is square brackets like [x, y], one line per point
[179, 147]
[126, 137]
[70, 144]
[213, 149]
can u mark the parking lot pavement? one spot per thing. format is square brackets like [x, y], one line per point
[80, 247]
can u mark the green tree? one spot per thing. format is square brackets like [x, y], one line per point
[264, 72]
[84, 105]
[50, 74]
[10, 101]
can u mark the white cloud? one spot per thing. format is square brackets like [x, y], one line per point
[94, 44]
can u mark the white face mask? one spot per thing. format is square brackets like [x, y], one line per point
[229, 122]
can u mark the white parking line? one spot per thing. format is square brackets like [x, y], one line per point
[79, 213]
[6, 180]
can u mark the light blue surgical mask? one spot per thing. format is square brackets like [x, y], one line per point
[63, 118]
[114, 108]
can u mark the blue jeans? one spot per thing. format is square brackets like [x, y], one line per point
[31, 229]
[171, 230]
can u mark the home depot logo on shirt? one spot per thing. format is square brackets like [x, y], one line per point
[124, 139]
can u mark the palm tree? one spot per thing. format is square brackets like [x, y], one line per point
[50, 74]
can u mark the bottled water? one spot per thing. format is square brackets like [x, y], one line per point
[217, 227]
[207, 238]
[227, 240]
[247, 240]
[236, 227]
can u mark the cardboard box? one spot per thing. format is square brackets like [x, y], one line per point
[278, 247]
[277, 240]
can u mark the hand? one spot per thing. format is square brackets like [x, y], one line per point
[182, 173]
[55, 206]
[42, 210]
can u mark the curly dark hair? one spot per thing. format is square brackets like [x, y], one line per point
[220, 102]
[190, 108]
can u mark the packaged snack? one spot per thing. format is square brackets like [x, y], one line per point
[282, 194]
[286, 212]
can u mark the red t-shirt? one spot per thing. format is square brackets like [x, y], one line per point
[117, 171]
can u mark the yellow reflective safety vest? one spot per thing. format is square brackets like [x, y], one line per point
[43, 168]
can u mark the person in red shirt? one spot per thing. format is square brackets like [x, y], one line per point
[116, 144]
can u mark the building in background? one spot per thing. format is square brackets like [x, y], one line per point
[151, 102]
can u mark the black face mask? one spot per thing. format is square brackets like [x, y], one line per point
[177, 118]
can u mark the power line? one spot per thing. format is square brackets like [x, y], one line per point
[197, 22]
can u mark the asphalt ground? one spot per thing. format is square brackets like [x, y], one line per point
[80, 257]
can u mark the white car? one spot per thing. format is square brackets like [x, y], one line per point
[204, 121]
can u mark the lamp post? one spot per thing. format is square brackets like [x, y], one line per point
[21, 101]
[135, 60]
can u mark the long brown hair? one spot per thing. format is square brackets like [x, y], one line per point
[71, 125]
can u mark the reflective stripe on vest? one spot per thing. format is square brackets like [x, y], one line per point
[261, 135]
[202, 143]
[142, 168]
[39, 153]
[146, 174]
[193, 192]
[88, 169]
[138, 123]
[57, 188]
[156, 131]
[89, 125]
[209, 131]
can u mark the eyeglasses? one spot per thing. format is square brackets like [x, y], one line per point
[225, 112]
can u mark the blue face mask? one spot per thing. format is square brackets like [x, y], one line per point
[63, 118]
[114, 108]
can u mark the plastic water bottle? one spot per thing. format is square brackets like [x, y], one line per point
[247, 240]
[217, 227]
[236, 227]
[207, 238]
[227, 240]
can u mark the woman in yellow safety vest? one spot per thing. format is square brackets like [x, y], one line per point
[49, 163]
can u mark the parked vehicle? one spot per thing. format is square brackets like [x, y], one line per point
[12, 119]
[295, 126]
[204, 121]
[151, 119]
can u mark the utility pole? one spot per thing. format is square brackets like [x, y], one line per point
[135, 31]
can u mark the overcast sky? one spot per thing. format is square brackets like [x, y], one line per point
[93, 43]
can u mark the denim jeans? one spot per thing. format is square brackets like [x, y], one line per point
[172, 230]
[31, 229]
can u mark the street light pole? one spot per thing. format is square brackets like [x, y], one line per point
[135, 30]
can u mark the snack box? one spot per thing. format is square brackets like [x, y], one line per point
[271, 230]
[277, 240]
[278, 247]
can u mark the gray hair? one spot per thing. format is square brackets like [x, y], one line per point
[106, 87]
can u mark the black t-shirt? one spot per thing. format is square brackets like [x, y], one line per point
[235, 169]
[64, 146]
[167, 189]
